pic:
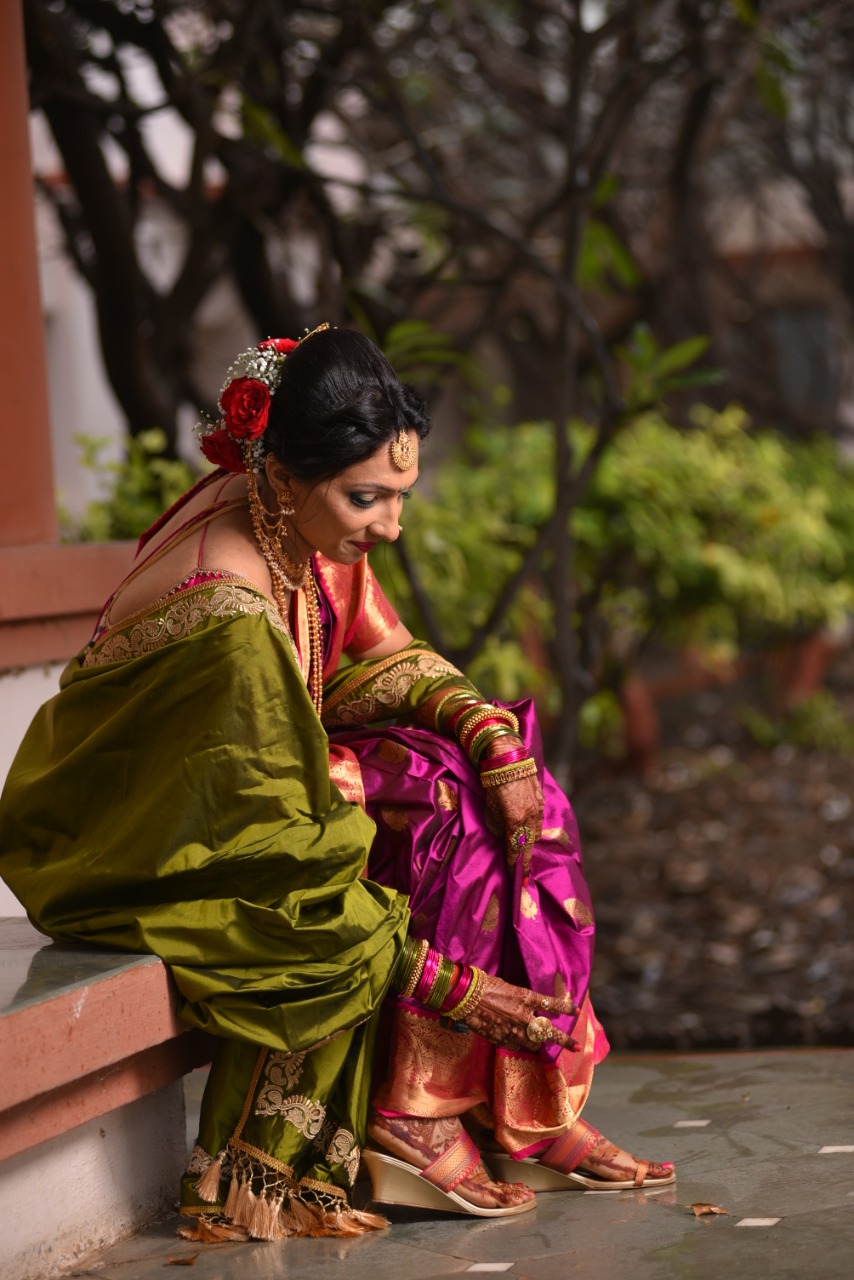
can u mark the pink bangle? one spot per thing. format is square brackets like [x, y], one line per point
[454, 997]
[505, 757]
[427, 978]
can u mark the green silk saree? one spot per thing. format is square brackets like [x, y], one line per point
[175, 798]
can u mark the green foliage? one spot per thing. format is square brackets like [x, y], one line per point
[716, 538]
[421, 353]
[818, 723]
[652, 373]
[134, 490]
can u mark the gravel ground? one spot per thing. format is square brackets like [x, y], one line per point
[723, 885]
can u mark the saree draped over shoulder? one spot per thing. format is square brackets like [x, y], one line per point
[175, 798]
[180, 796]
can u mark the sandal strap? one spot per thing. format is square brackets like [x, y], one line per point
[454, 1165]
[569, 1149]
[641, 1172]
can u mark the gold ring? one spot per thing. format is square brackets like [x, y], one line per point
[539, 1030]
[545, 1004]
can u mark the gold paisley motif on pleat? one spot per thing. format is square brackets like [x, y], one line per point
[491, 915]
[558, 834]
[527, 905]
[578, 911]
[447, 797]
[397, 819]
[393, 752]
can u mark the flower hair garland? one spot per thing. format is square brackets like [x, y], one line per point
[235, 440]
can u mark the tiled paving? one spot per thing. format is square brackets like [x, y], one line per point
[769, 1137]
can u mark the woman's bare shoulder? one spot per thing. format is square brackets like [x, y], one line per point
[223, 544]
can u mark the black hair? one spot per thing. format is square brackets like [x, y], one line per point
[339, 400]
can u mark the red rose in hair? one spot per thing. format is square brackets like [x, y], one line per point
[283, 345]
[245, 404]
[219, 448]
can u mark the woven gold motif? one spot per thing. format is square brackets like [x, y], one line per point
[491, 915]
[397, 819]
[146, 632]
[578, 911]
[283, 1069]
[343, 1150]
[304, 1114]
[527, 905]
[199, 1160]
[394, 752]
[389, 685]
[447, 797]
[558, 834]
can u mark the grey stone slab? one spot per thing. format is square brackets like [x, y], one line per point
[33, 968]
[769, 1113]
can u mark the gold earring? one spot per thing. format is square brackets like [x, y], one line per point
[285, 501]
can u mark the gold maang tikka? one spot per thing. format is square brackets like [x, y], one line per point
[402, 451]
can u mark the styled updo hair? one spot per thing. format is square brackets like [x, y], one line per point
[338, 401]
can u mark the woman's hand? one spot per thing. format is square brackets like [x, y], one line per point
[517, 806]
[503, 1013]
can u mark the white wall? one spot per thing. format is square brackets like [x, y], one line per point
[21, 695]
[89, 1187]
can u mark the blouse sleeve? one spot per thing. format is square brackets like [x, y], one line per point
[372, 619]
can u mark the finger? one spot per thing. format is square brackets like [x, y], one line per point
[554, 1004]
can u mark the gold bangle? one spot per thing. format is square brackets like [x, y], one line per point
[509, 773]
[485, 712]
[415, 977]
[477, 980]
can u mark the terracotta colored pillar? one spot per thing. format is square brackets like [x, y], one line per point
[27, 506]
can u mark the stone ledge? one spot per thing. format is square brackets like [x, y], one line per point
[82, 1032]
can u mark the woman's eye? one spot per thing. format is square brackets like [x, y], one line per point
[406, 495]
[361, 500]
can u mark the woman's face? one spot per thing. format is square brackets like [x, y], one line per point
[345, 517]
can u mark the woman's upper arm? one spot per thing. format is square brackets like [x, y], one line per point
[397, 639]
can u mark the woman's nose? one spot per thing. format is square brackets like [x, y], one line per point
[387, 527]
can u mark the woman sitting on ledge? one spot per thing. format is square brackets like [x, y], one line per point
[301, 841]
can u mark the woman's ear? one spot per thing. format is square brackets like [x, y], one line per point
[276, 472]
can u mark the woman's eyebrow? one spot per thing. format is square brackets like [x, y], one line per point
[382, 488]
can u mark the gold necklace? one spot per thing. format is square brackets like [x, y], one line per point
[287, 576]
[315, 641]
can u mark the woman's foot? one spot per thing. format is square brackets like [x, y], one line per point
[610, 1163]
[419, 1142]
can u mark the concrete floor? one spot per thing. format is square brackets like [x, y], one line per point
[767, 1136]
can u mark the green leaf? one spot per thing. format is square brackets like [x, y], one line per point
[680, 355]
[745, 11]
[769, 86]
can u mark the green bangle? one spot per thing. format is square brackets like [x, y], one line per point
[447, 697]
[441, 985]
[485, 737]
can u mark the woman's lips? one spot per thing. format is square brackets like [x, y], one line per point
[365, 546]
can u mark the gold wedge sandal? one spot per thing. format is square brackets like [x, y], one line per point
[557, 1167]
[393, 1181]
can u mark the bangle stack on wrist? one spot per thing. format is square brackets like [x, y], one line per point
[462, 713]
[428, 977]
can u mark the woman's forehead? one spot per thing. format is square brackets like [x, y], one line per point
[380, 470]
